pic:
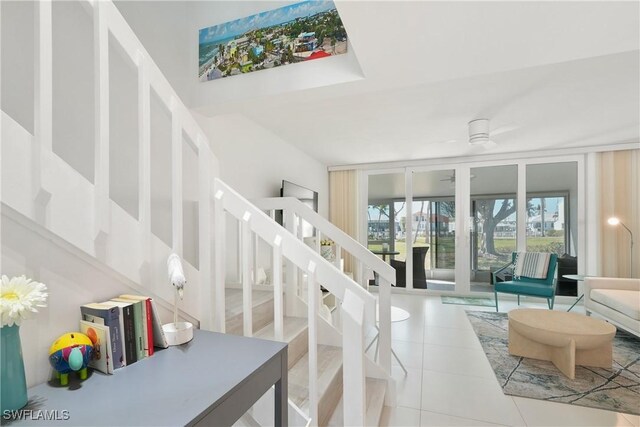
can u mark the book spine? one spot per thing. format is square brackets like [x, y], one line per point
[130, 335]
[143, 320]
[149, 321]
[137, 313]
[123, 346]
[111, 319]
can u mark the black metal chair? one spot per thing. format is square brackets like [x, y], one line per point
[419, 274]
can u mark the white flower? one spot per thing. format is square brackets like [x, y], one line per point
[19, 297]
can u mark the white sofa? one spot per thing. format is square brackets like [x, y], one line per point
[616, 300]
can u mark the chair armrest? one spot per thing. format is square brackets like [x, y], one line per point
[495, 273]
[401, 264]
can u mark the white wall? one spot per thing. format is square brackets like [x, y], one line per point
[17, 60]
[162, 26]
[254, 161]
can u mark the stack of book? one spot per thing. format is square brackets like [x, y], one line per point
[124, 330]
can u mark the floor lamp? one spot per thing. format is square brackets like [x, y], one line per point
[615, 221]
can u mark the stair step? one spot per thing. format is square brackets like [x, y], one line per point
[294, 333]
[329, 382]
[376, 390]
[262, 310]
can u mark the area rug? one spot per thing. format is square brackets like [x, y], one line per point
[616, 389]
[484, 302]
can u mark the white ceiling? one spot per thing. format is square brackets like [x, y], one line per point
[558, 74]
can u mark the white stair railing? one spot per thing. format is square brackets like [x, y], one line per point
[353, 370]
[317, 270]
[295, 212]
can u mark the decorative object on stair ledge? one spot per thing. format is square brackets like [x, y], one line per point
[326, 249]
[19, 298]
[177, 333]
[610, 389]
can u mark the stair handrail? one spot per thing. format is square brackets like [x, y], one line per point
[331, 231]
[319, 272]
[293, 249]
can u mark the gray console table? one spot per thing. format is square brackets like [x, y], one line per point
[211, 381]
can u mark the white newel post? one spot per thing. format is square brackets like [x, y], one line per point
[384, 323]
[318, 242]
[101, 180]
[219, 237]
[360, 275]
[291, 278]
[204, 225]
[312, 307]
[353, 371]
[247, 304]
[255, 252]
[278, 303]
[338, 258]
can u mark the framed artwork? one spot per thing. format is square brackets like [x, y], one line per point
[296, 33]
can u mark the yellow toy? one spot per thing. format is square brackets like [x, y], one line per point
[70, 352]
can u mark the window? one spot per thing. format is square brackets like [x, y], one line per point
[546, 224]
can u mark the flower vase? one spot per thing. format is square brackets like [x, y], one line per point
[14, 383]
[326, 251]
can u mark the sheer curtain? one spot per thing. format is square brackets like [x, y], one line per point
[619, 197]
[343, 204]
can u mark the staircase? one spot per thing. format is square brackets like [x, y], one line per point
[330, 374]
[327, 360]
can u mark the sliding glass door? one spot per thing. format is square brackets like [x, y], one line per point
[386, 216]
[463, 223]
[493, 230]
[433, 225]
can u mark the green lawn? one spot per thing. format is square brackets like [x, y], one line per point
[504, 247]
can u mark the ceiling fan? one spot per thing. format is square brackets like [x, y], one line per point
[452, 178]
[481, 135]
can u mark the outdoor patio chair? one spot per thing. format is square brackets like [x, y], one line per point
[521, 285]
[419, 275]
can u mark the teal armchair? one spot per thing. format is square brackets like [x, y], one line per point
[540, 288]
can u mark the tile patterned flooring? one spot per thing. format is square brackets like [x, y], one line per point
[450, 381]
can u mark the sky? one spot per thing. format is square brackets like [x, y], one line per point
[264, 19]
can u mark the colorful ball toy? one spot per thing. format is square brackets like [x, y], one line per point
[70, 352]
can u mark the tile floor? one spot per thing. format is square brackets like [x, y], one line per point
[450, 381]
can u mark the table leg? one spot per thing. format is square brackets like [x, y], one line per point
[374, 340]
[577, 301]
[281, 393]
[401, 365]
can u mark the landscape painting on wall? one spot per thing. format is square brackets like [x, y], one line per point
[295, 33]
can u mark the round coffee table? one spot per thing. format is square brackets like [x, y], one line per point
[565, 339]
